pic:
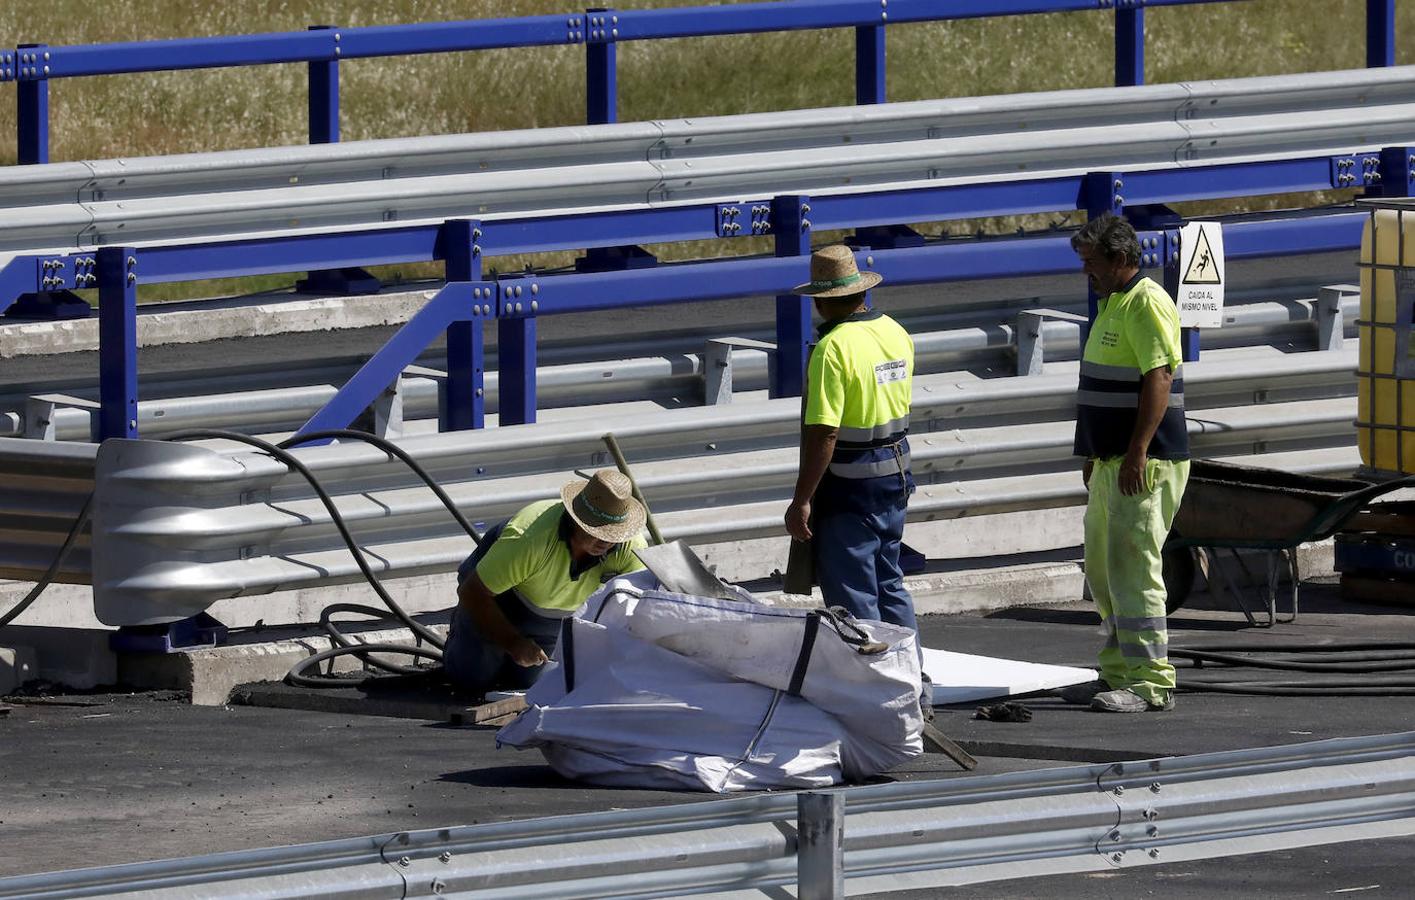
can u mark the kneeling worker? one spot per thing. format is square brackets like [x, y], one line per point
[534, 570]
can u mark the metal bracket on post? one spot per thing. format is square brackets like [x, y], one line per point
[1396, 171]
[516, 349]
[601, 66]
[1331, 323]
[39, 415]
[118, 342]
[717, 366]
[615, 259]
[345, 282]
[1100, 194]
[792, 226]
[729, 217]
[1030, 329]
[324, 92]
[820, 845]
[194, 633]
[384, 416]
[462, 394]
[32, 103]
[885, 237]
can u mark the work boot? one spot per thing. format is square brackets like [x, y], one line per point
[1082, 694]
[1127, 701]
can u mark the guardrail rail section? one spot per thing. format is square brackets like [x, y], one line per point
[612, 187]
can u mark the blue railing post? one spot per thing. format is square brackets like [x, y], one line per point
[117, 342]
[1397, 171]
[1380, 32]
[324, 94]
[516, 353]
[1129, 43]
[792, 227]
[1100, 194]
[870, 80]
[601, 66]
[463, 401]
[32, 103]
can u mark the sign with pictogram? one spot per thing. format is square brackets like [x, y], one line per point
[1201, 275]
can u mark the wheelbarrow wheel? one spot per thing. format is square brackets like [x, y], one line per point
[1178, 570]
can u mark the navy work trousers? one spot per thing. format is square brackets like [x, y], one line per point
[857, 563]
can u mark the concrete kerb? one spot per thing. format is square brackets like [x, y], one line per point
[194, 322]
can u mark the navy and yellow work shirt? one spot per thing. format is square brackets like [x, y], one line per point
[1136, 330]
[532, 556]
[860, 381]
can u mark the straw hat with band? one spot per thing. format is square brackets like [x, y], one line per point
[605, 506]
[834, 274]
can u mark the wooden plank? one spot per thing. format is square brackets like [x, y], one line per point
[497, 710]
[935, 741]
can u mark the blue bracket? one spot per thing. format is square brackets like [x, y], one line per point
[886, 237]
[615, 259]
[344, 282]
[1355, 170]
[49, 306]
[601, 65]
[7, 66]
[792, 227]
[194, 633]
[729, 218]
[49, 298]
[454, 303]
[117, 342]
[32, 103]
[516, 350]
[1102, 192]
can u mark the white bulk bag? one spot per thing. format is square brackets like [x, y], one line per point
[874, 694]
[615, 710]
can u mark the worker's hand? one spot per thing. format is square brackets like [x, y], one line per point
[1132, 474]
[798, 516]
[1086, 468]
[527, 653]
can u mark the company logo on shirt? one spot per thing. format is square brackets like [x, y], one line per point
[1110, 339]
[894, 370]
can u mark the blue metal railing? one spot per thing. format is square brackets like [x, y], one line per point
[323, 47]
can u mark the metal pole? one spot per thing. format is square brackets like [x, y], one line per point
[1380, 33]
[463, 403]
[623, 465]
[324, 95]
[869, 64]
[1129, 46]
[601, 65]
[32, 104]
[792, 228]
[117, 342]
[820, 842]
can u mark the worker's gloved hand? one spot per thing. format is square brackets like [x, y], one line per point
[1004, 712]
[527, 653]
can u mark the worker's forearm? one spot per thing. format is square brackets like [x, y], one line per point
[1154, 403]
[491, 622]
[817, 446]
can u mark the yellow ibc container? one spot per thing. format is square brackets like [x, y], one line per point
[1385, 417]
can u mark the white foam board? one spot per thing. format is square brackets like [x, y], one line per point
[963, 677]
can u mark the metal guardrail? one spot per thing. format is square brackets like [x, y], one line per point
[75, 207]
[43, 486]
[896, 836]
[181, 526]
[322, 47]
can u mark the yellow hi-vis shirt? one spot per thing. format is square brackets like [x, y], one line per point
[860, 380]
[532, 555]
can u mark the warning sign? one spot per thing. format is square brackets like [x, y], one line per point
[1201, 268]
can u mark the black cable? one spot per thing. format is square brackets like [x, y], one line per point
[1349, 658]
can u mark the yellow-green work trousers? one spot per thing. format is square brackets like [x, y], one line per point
[1124, 536]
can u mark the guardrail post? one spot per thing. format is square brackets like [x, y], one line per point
[1397, 171]
[1100, 194]
[117, 342]
[516, 354]
[601, 66]
[792, 228]
[1331, 321]
[870, 80]
[462, 404]
[32, 103]
[820, 841]
[1129, 43]
[1380, 33]
[324, 94]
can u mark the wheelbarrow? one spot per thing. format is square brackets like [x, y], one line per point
[1232, 507]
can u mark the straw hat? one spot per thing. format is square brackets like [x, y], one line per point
[605, 506]
[834, 274]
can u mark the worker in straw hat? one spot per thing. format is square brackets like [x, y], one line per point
[854, 481]
[533, 571]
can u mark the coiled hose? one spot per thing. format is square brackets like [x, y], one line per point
[1347, 658]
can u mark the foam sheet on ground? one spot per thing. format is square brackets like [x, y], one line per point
[963, 677]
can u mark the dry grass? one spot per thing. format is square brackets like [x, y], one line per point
[175, 112]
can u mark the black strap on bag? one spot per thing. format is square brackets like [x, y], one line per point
[803, 659]
[567, 652]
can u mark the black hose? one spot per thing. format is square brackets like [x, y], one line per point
[1349, 658]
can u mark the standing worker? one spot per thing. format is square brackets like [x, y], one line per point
[533, 571]
[854, 482]
[1130, 429]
